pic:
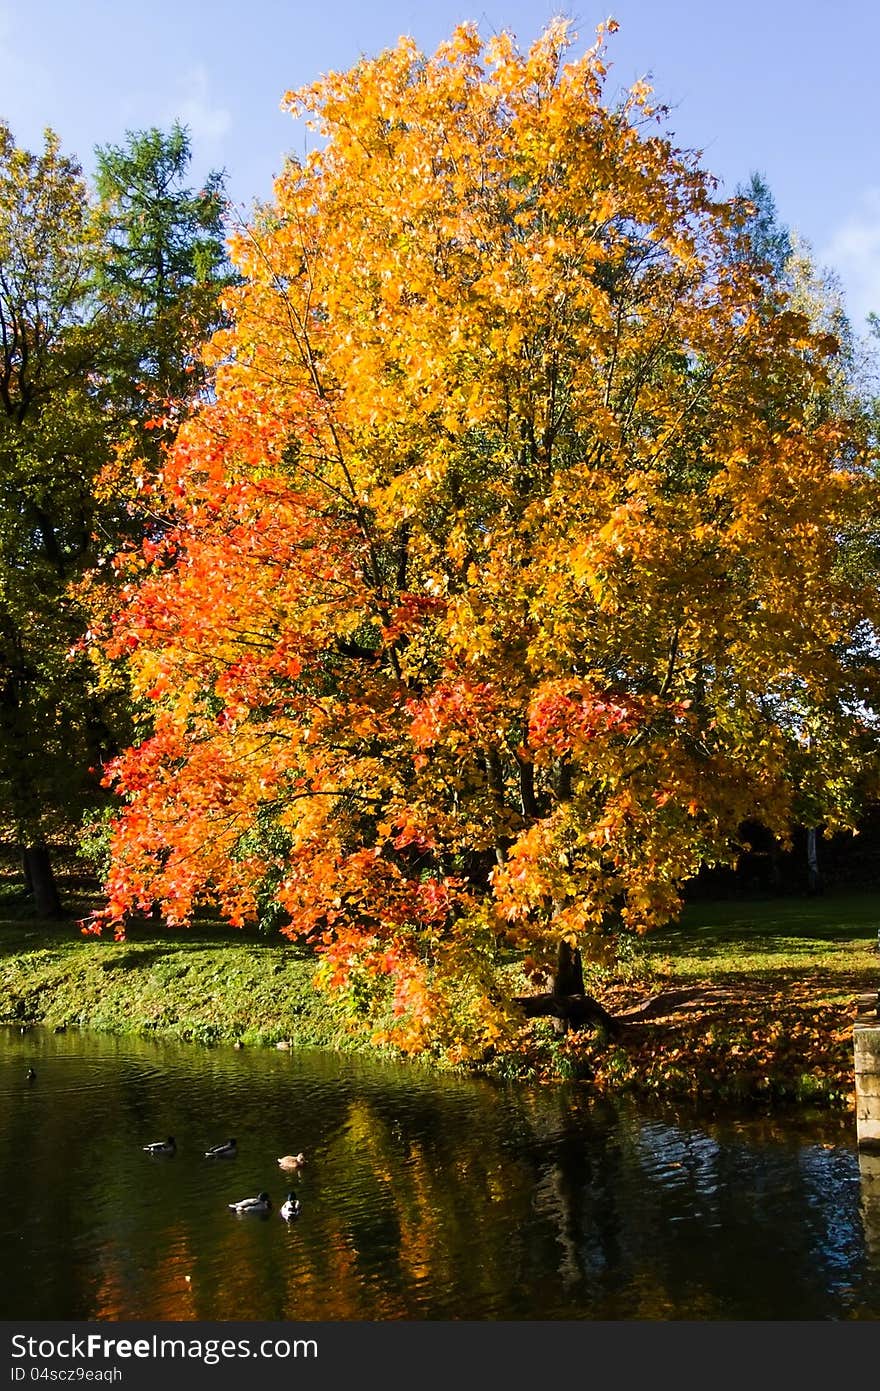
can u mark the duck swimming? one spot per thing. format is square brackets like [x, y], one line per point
[261, 1203]
[227, 1151]
[162, 1146]
[31, 1075]
[290, 1208]
[292, 1161]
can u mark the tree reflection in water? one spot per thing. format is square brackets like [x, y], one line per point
[425, 1196]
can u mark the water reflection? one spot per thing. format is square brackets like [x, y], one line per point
[423, 1196]
[869, 1171]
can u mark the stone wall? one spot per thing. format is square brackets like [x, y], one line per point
[866, 1040]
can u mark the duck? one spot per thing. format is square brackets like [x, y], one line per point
[290, 1207]
[168, 1146]
[227, 1151]
[291, 1161]
[262, 1203]
[31, 1075]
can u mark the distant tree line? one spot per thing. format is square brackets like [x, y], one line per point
[106, 295]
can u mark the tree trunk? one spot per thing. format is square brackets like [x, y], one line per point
[26, 874]
[568, 980]
[527, 798]
[39, 874]
[814, 878]
[572, 1011]
[568, 1002]
[563, 781]
[569, 977]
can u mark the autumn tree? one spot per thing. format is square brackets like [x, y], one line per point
[161, 269]
[507, 576]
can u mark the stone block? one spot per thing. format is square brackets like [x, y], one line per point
[867, 1128]
[866, 1049]
[866, 1043]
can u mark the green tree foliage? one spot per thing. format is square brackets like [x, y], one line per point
[53, 439]
[846, 390]
[102, 308]
[767, 238]
[163, 265]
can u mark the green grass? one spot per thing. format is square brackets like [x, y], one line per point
[771, 990]
[763, 999]
[208, 983]
[833, 938]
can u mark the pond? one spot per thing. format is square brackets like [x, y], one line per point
[424, 1196]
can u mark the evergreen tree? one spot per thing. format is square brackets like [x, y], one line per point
[163, 267]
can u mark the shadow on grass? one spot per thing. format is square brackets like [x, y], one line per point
[21, 931]
[728, 945]
[827, 916]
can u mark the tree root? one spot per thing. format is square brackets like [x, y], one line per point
[574, 1010]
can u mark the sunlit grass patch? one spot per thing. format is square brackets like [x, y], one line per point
[763, 999]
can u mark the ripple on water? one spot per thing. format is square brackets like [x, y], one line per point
[421, 1196]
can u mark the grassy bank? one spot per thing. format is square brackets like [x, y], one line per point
[738, 1002]
[208, 984]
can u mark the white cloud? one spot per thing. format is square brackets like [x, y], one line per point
[207, 122]
[854, 252]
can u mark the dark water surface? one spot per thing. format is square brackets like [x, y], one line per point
[424, 1196]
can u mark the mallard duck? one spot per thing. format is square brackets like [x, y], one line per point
[290, 1208]
[291, 1161]
[261, 1203]
[227, 1151]
[162, 1146]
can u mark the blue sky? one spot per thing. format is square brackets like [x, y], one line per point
[784, 86]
